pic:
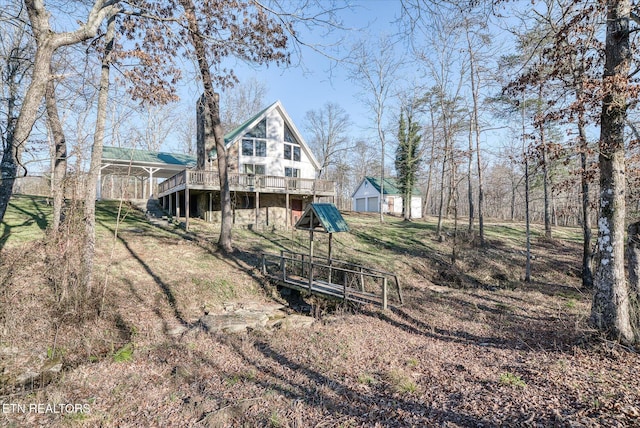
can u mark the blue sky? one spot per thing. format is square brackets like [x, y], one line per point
[314, 83]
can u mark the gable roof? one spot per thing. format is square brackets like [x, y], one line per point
[390, 186]
[233, 136]
[323, 216]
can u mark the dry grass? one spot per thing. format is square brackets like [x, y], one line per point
[489, 351]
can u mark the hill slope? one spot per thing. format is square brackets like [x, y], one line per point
[472, 346]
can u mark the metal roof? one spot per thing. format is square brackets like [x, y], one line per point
[124, 154]
[322, 216]
[390, 186]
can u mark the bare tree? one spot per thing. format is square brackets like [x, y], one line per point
[240, 102]
[328, 127]
[374, 70]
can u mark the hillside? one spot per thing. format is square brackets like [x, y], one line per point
[473, 345]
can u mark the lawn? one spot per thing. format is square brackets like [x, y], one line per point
[473, 345]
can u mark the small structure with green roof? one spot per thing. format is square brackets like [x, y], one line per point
[367, 197]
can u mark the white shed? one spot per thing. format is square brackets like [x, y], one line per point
[366, 198]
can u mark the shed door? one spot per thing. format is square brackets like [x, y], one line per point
[360, 204]
[372, 204]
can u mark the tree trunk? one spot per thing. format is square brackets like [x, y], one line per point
[469, 181]
[58, 175]
[587, 275]
[212, 104]
[96, 159]
[633, 262]
[610, 311]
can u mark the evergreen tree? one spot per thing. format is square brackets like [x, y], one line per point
[407, 158]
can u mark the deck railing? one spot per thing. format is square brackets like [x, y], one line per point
[248, 182]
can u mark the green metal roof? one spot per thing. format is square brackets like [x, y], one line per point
[240, 130]
[390, 186]
[324, 216]
[136, 155]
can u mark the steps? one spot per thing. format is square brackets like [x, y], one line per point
[151, 208]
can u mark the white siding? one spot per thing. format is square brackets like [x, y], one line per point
[275, 162]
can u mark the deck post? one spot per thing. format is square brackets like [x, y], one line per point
[178, 206]
[257, 209]
[186, 208]
[210, 213]
[384, 293]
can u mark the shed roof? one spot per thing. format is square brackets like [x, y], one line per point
[323, 216]
[390, 186]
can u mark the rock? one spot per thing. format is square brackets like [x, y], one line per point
[27, 377]
[176, 331]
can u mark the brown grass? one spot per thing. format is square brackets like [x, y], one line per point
[452, 356]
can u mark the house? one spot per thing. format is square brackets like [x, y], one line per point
[272, 173]
[366, 198]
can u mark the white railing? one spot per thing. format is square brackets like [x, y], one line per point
[249, 182]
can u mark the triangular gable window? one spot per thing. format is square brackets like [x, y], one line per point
[258, 131]
[288, 136]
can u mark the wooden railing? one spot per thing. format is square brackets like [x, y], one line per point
[249, 182]
[334, 278]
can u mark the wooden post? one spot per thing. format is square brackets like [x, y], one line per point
[186, 208]
[384, 293]
[399, 290]
[178, 205]
[210, 207]
[283, 266]
[257, 209]
[264, 264]
[344, 287]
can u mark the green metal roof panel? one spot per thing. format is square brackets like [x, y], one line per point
[240, 130]
[390, 186]
[323, 215]
[164, 158]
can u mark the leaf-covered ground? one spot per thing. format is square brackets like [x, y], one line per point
[472, 346]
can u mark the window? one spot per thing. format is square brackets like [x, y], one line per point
[258, 131]
[288, 136]
[250, 168]
[254, 147]
[292, 152]
[291, 172]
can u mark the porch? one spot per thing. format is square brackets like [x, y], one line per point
[259, 200]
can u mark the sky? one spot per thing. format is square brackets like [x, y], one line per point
[309, 86]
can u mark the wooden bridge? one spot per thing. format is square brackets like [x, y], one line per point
[333, 278]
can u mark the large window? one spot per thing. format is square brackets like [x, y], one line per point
[292, 152]
[254, 147]
[291, 172]
[254, 142]
[250, 168]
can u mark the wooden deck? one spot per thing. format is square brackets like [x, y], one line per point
[209, 180]
[333, 279]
